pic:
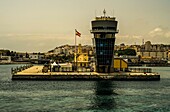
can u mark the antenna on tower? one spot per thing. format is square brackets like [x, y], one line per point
[142, 41]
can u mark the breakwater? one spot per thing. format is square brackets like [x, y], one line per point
[119, 77]
[19, 69]
[31, 72]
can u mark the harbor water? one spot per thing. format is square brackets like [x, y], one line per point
[84, 96]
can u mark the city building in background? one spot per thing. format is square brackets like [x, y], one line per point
[5, 59]
[153, 52]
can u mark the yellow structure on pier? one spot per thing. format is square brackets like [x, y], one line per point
[82, 59]
[120, 64]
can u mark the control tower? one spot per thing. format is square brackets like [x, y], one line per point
[104, 29]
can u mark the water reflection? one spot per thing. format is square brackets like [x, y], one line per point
[104, 96]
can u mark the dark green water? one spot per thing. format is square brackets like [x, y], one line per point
[85, 96]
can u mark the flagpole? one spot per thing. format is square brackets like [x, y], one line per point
[76, 34]
[75, 63]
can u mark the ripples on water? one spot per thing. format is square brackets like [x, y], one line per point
[91, 96]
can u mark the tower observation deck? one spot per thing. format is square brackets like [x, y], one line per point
[104, 29]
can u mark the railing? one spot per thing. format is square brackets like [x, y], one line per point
[143, 70]
[19, 69]
[104, 30]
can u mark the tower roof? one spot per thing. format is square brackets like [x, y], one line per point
[104, 17]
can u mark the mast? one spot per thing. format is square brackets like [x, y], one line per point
[75, 52]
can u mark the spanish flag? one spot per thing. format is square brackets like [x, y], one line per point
[77, 33]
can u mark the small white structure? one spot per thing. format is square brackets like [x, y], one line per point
[62, 67]
[5, 59]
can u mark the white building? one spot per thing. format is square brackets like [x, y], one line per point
[66, 49]
[153, 54]
[36, 56]
[5, 59]
[158, 51]
[58, 50]
[169, 56]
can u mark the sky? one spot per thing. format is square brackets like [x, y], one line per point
[42, 25]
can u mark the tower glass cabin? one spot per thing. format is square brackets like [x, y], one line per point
[104, 29]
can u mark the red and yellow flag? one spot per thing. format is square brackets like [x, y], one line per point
[78, 33]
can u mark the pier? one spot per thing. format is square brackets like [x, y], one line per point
[31, 72]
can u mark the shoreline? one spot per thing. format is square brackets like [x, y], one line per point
[130, 65]
[10, 63]
[149, 65]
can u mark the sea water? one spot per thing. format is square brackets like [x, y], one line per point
[84, 96]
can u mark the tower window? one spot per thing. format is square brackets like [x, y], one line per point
[101, 45]
[101, 52]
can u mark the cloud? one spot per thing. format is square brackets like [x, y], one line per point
[156, 32]
[159, 35]
[31, 42]
[123, 36]
[137, 36]
[161, 32]
[129, 39]
[167, 34]
[33, 36]
[39, 42]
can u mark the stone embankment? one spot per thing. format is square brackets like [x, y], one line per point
[35, 73]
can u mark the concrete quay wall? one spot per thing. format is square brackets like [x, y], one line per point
[88, 77]
[35, 73]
